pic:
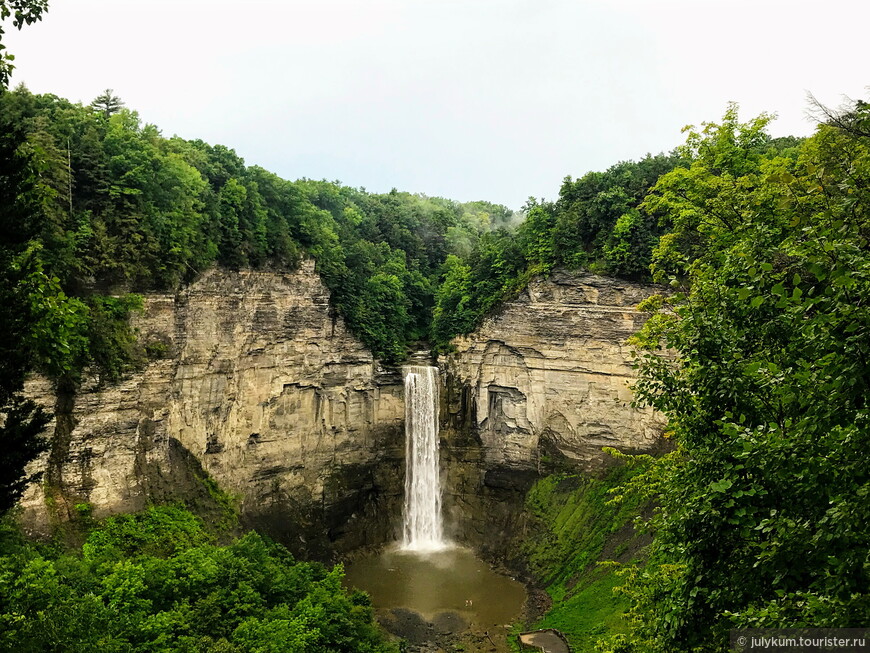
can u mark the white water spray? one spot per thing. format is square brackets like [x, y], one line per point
[422, 528]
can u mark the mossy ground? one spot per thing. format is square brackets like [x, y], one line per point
[576, 525]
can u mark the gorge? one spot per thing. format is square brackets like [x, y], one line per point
[260, 390]
[425, 588]
[208, 365]
[259, 386]
[260, 400]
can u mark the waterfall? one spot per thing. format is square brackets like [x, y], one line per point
[422, 527]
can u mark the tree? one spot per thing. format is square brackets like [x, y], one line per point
[536, 237]
[233, 197]
[107, 103]
[452, 314]
[46, 327]
[23, 12]
[21, 441]
[155, 581]
[627, 251]
[763, 518]
[21, 221]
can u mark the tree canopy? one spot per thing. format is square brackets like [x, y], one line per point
[598, 223]
[763, 518]
[96, 206]
[157, 582]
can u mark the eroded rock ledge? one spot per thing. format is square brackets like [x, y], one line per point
[262, 386]
[540, 387]
[256, 382]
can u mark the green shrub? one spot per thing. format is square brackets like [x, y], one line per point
[154, 581]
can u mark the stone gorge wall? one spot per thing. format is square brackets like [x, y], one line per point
[257, 383]
[262, 387]
[538, 388]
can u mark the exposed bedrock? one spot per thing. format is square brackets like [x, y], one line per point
[540, 387]
[257, 384]
[261, 386]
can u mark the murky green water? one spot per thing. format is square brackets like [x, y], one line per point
[450, 580]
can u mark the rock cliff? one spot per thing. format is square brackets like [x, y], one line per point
[540, 387]
[254, 382]
[258, 384]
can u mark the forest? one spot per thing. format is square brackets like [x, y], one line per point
[159, 581]
[756, 351]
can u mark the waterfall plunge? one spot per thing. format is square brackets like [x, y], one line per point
[422, 527]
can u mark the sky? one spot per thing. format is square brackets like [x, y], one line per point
[496, 100]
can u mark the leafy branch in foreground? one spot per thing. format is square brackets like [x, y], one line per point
[763, 516]
[23, 12]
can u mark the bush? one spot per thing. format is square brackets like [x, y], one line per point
[155, 582]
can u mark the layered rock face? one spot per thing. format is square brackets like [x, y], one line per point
[542, 386]
[253, 382]
[262, 387]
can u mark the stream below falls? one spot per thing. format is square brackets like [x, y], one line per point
[433, 596]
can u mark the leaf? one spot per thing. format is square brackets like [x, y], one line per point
[721, 486]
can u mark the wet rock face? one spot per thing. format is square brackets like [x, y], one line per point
[538, 388]
[260, 384]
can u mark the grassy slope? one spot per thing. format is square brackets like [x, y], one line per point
[576, 526]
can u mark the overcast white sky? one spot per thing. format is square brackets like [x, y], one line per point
[467, 99]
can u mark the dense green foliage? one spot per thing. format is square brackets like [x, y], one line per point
[103, 203]
[575, 525]
[95, 205]
[156, 581]
[598, 223]
[765, 503]
[381, 255]
[45, 327]
[100, 203]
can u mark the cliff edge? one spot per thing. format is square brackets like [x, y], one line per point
[538, 388]
[258, 385]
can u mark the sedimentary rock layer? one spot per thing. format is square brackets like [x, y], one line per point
[542, 386]
[260, 385]
[255, 383]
